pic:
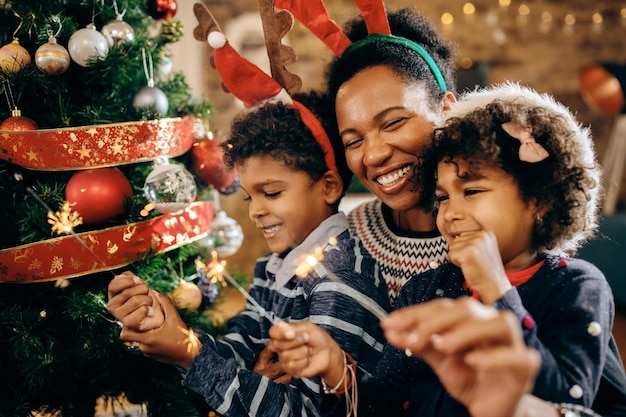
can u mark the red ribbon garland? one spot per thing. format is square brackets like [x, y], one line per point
[115, 247]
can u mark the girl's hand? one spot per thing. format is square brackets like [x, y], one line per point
[478, 255]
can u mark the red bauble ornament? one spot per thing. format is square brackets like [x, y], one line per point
[208, 164]
[17, 122]
[162, 9]
[98, 195]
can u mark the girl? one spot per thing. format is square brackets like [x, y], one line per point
[517, 188]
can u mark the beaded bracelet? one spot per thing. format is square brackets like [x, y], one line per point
[574, 410]
[337, 389]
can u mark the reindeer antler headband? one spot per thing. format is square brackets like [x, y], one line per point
[313, 15]
[249, 83]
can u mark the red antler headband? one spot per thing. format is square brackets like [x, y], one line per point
[253, 86]
[314, 15]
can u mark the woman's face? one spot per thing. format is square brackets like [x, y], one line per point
[385, 125]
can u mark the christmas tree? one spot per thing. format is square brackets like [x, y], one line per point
[106, 164]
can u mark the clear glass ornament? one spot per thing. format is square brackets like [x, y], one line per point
[226, 235]
[169, 186]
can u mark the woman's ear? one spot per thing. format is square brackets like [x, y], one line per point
[333, 187]
[447, 100]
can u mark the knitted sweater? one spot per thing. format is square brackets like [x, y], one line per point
[400, 254]
[572, 307]
[222, 370]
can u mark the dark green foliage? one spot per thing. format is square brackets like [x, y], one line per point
[60, 348]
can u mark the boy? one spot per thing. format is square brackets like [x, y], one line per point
[293, 198]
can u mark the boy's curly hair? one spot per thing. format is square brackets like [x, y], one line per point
[408, 23]
[567, 182]
[276, 130]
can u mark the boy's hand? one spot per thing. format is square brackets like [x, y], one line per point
[268, 365]
[133, 303]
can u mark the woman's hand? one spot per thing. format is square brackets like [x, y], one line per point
[478, 352]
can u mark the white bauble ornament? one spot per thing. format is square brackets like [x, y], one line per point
[86, 45]
[170, 187]
[52, 58]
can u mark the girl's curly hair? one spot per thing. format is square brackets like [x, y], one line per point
[567, 183]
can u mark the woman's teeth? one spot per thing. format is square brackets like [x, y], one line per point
[390, 179]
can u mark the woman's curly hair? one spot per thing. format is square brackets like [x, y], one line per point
[407, 23]
[276, 130]
[567, 183]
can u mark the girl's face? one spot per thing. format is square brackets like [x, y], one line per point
[285, 204]
[385, 125]
[486, 199]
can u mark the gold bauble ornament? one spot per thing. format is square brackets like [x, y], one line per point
[187, 296]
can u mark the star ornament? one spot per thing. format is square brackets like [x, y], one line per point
[64, 221]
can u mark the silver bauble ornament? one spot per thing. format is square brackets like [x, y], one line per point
[118, 32]
[169, 186]
[151, 98]
[52, 58]
[86, 45]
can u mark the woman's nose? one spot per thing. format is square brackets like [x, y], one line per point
[376, 151]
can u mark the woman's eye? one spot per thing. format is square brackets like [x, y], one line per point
[352, 143]
[272, 195]
[394, 124]
[247, 198]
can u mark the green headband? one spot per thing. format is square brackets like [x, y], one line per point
[407, 43]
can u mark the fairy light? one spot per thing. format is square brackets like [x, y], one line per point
[504, 3]
[546, 22]
[469, 8]
[522, 15]
[569, 22]
[447, 19]
[597, 22]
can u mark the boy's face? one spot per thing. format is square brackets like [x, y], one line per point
[485, 200]
[285, 204]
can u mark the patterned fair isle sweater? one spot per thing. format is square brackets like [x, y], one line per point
[346, 301]
[400, 254]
